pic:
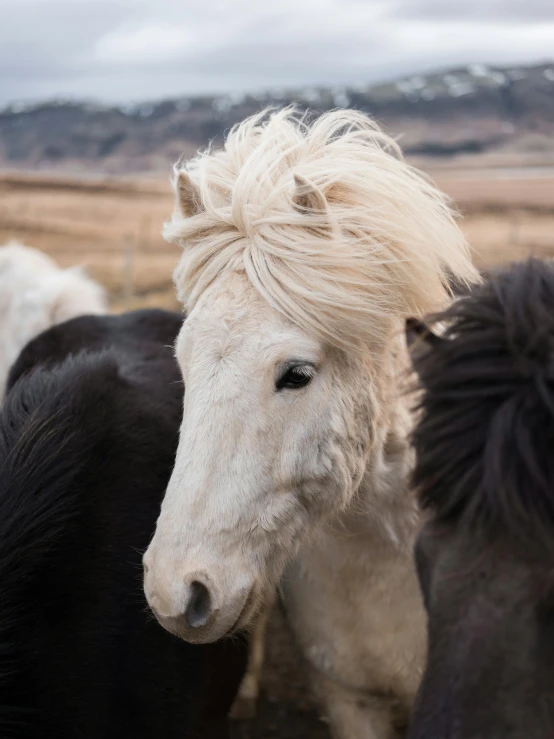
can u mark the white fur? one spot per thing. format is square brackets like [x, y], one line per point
[308, 243]
[36, 294]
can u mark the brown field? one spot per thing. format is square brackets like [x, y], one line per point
[507, 214]
[113, 226]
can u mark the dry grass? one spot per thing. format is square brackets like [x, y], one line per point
[501, 191]
[506, 216]
[110, 226]
[113, 226]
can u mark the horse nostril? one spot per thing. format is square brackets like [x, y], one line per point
[199, 608]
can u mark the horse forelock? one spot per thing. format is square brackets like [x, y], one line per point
[383, 243]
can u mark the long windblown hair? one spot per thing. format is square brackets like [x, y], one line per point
[485, 439]
[326, 220]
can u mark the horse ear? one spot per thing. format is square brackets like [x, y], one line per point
[307, 197]
[417, 330]
[188, 195]
[420, 339]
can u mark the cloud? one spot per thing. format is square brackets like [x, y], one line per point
[121, 50]
[497, 12]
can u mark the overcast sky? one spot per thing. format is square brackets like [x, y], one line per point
[128, 50]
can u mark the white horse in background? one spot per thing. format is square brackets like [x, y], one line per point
[35, 294]
[305, 246]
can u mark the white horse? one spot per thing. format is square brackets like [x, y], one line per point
[304, 249]
[36, 294]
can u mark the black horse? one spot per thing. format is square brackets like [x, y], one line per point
[88, 434]
[485, 475]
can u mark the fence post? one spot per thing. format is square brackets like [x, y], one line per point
[514, 228]
[128, 268]
[144, 238]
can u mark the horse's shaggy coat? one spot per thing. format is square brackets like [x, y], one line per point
[485, 475]
[35, 294]
[305, 247]
[88, 434]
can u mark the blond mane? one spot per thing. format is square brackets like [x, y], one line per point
[326, 220]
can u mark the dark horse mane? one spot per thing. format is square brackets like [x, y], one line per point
[485, 439]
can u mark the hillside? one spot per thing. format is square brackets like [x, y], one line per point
[470, 110]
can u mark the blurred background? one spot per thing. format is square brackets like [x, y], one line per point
[98, 98]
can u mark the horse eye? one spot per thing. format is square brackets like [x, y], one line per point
[297, 376]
